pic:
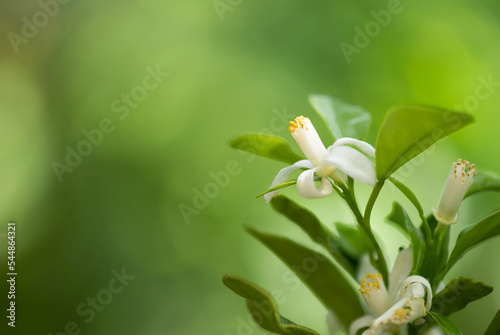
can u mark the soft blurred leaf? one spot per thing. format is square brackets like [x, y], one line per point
[494, 327]
[269, 146]
[473, 235]
[399, 216]
[446, 325]
[278, 187]
[343, 120]
[352, 240]
[458, 294]
[311, 225]
[482, 183]
[322, 276]
[408, 130]
[263, 307]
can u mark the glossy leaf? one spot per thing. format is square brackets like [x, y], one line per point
[494, 327]
[264, 145]
[322, 276]
[482, 183]
[408, 130]
[473, 235]
[399, 216]
[446, 325]
[458, 294]
[263, 307]
[343, 120]
[311, 225]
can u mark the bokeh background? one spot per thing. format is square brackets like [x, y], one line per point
[233, 67]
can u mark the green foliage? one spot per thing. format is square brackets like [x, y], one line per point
[278, 187]
[270, 146]
[473, 235]
[483, 182]
[322, 276]
[343, 120]
[401, 219]
[310, 224]
[446, 325]
[263, 307]
[408, 130]
[494, 327]
[458, 294]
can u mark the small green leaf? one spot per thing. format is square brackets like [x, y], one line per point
[322, 276]
[483, 182]
[408, 130]
[263, 307]
[269, 146]
[311, 225]
[494, 327]
[352, 240]
[473, 235]
[278, 187]
[413, 199]
[417, 240]
[343, 120]
[458, 294]
[446, 325]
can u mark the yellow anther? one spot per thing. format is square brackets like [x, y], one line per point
[370, 284]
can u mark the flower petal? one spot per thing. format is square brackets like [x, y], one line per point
[367, 148]
[283, 175]
[361, 322]
[353, 163]
[421, 290]
[401, 270]
[306, 186]
[402, 312]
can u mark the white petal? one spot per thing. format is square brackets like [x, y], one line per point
[308, 140]
[283, 175]
[353, 163]
[401, 270]
[404, 311]
[306, 186]
[421, 290]
[364, 321]
[362, 145]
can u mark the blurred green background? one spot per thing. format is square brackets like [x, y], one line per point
[233, 67]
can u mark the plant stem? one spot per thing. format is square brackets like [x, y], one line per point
[364, 222]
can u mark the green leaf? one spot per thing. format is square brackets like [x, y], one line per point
[310, 224]
[483, 182]
[494, 327]
[278, 187]
[458, 294]
[343, 120]
[408, 130]
[446, 325]
[352, 240]
[322, 276]
[402, 220]
[263, 307]
[413, 199]
[269, 146]
[473, 235]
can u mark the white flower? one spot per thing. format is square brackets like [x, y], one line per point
[407, 298]
[457, 184]
[338, 162]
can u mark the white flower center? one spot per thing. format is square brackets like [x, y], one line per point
[374, 292]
